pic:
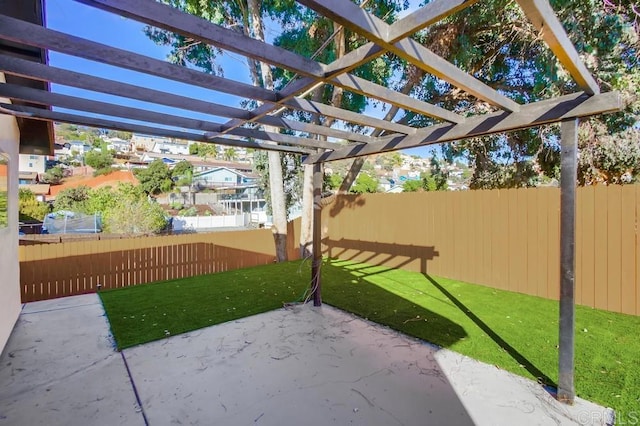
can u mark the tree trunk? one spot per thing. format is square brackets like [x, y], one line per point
[306, 231]
[306, 227]
[276, 182]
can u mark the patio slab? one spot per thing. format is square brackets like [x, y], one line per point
[319, 366]
[295, 366]
[60, 368]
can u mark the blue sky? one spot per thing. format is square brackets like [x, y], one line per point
[83, 21]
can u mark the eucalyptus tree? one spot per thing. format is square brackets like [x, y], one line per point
[245, 16]
[316, 37]
[493, 41]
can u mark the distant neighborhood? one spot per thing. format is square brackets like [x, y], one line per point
[198, 186]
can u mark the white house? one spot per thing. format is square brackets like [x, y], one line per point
[30, 163]
[118, 145]
[170, 147]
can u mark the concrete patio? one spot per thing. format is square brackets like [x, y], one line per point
[297, 366]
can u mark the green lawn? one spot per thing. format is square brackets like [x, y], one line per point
[513, 331]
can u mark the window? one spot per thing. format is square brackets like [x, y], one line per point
[33, 157]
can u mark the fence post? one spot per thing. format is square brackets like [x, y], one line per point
[568, 175]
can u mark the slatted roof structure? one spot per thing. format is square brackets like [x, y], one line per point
[242, 127]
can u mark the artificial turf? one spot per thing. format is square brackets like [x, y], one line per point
[515, 332]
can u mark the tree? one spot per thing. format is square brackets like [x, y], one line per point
[204, 150]
[133, 212]
[72, 199]
[365, 183]
[181, 170]
[412, 186]
[317, 37]
[331, 181]
[230, 154]
[512, 59]
[244, 16]
[53, 176]
[99, 160]
[156, 178]
[29, 208]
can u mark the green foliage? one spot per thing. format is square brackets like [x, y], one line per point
[191, 211]
[292, 176]
[331, 181]
[412, 186]
[181, 169]
[518, 64]
[72, 199]
[53, 176]
[365, 183]
[135, 216]
[98, 159]
[156, 178]
[230, 154]
[204, 150]
[29, 208]
[119, 134]
[124, 210]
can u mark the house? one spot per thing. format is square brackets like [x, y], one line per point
[32, 163]
[118, 145]
[170, 147]
[224, 177]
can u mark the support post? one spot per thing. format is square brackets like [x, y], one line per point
[568, 176]
[316, 281]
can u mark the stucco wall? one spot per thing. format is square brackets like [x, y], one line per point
[9, 266]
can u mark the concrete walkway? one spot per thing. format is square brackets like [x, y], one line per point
[301, 366]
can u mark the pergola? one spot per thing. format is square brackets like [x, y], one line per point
[20, 39]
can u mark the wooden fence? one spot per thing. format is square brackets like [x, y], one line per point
[69, 268]
[506, 239]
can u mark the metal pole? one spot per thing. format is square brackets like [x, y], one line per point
[316, 281]
[568, 175]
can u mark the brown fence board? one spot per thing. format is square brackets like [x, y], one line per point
[614, 241]
[627, 250]
[600, 247]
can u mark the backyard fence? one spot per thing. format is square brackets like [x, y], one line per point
[506, 239]
[56, 270]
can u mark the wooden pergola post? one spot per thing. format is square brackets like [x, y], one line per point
[569, 169]
[316, 280]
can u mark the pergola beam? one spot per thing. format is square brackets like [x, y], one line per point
[38, 71]
[426, 15]
[341, 114]
[63, 117]
[169, 18]
[542, 16]
[365, 87]
[342, 11]
[429, 14]
[44, 97]
[34, 35]
[531, 115]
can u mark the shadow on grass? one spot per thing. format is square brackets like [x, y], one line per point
[513, 352]
[349, 290]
